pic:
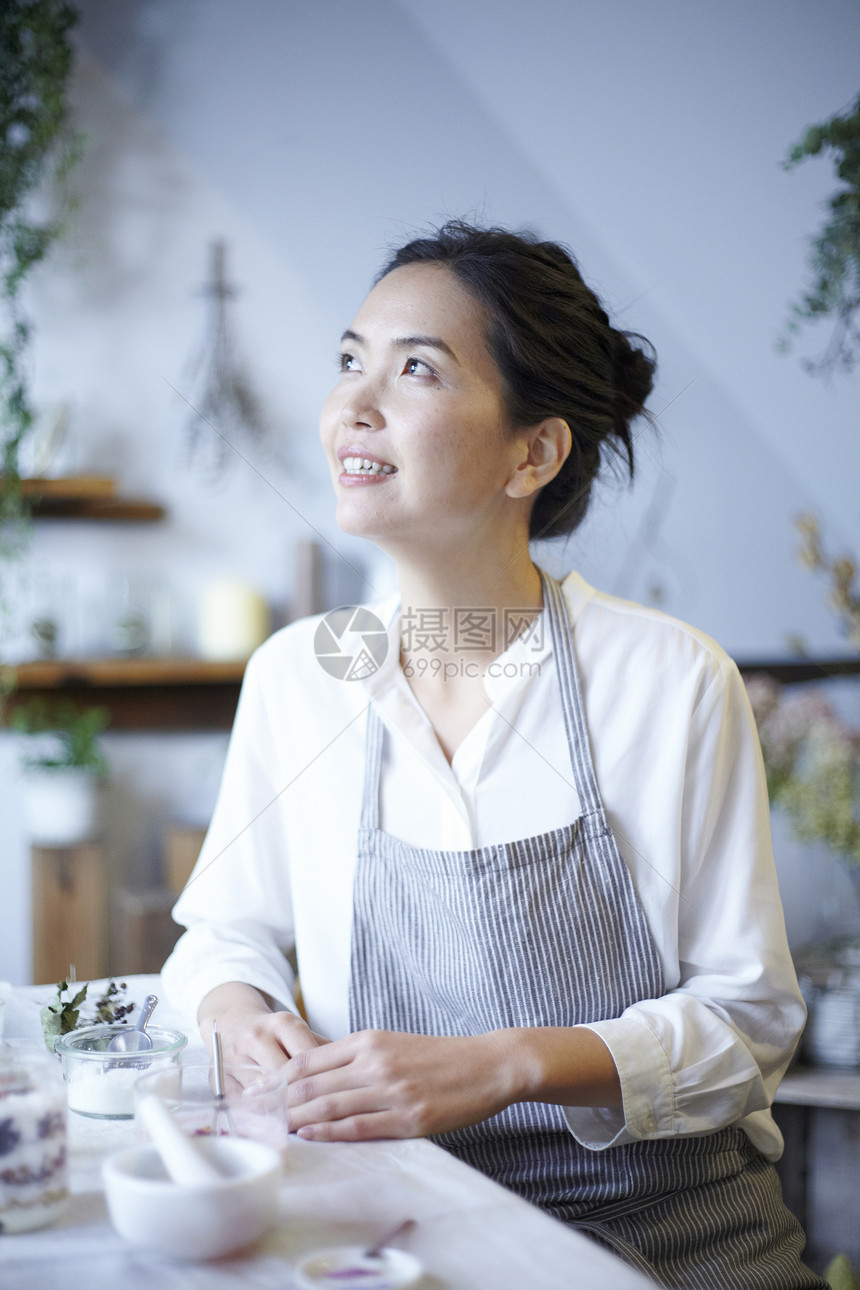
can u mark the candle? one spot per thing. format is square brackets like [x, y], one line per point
[234, 619]
[33, 1155]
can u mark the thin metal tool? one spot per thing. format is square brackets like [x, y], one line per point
[374, 1251]
[222, 1110]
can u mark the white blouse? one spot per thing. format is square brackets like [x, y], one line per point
[680, 773]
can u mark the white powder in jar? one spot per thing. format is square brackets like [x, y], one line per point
[104, 1093]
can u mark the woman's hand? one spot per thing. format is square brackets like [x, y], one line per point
[379, 1084]
[250, 1031]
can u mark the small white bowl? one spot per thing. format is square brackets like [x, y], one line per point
[153, 1212]
[390, 1270]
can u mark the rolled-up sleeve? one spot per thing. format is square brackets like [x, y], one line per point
[711, 1051]
[237, 905]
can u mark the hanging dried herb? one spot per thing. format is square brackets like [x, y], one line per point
[225, 410]
[61, 1016]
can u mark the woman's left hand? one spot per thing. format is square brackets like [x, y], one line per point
[380, 1084]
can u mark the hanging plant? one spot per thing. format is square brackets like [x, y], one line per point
[37, 144]
[835, 258]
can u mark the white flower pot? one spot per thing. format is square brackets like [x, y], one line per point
[61, 805]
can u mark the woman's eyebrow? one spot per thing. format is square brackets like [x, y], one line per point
[433, 342]
[407, 342]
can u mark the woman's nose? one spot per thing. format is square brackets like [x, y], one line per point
[362, 407]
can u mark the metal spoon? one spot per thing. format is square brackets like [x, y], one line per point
[374, 1251]
[135, 1040]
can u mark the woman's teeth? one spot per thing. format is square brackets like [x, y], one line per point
[361, 466]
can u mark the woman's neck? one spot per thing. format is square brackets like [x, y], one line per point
[465, 605]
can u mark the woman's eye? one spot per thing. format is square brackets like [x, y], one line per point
[348, 363]
[417, 367]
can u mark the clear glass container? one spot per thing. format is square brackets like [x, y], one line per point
[254, 1103]
[100, 1083]
[34, 1187]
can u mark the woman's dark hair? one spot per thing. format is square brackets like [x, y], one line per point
[556, 351]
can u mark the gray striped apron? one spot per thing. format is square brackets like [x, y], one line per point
[548, 931]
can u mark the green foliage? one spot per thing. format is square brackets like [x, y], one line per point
[36, 144]
[812, 762]
[835, 259]
[839, 1275]
[62, 1016]
[74, 733]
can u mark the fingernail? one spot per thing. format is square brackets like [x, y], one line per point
[308, 1133]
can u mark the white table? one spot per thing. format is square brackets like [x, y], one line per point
[471, 1233]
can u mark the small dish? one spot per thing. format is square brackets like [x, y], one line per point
[100, 1083]
[198, 1222]
[349, 1268]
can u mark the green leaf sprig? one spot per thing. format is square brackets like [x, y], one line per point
[61, 1016]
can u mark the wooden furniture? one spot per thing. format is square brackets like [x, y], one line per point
[69, 905]
[143, 932]
[804, 1094]
[85, 497]
[180, 855]
[141, 693]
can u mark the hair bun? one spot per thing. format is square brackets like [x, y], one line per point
[633, 366]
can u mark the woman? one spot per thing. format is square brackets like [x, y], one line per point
[524, 859]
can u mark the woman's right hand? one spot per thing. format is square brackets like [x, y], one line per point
[251, 1033]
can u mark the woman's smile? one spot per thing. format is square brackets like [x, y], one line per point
[361, 467]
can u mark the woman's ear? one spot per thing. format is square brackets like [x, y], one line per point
[545, 447]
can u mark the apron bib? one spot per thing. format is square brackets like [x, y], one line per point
[548, 931]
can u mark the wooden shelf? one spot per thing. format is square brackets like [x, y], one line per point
[820, 1086]
[85, 497]
[141, 693]
[793, 670]
[73, 487]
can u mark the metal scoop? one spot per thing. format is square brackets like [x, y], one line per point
[135, 1040]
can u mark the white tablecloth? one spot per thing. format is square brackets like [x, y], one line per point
[470, 1233]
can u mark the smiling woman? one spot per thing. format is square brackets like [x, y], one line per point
[523, 855]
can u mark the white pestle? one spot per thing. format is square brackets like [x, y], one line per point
[181, 1156]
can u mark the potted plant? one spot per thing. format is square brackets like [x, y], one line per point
[62, 772]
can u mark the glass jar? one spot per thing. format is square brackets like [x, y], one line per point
[100, 1081]
[34, 1186]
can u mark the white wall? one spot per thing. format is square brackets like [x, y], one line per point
[313, 136]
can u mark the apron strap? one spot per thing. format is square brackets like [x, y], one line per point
[372, 770]
[584, 778]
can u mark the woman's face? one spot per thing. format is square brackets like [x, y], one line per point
[415, 431]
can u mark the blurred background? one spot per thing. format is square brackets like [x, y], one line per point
[243, 170]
